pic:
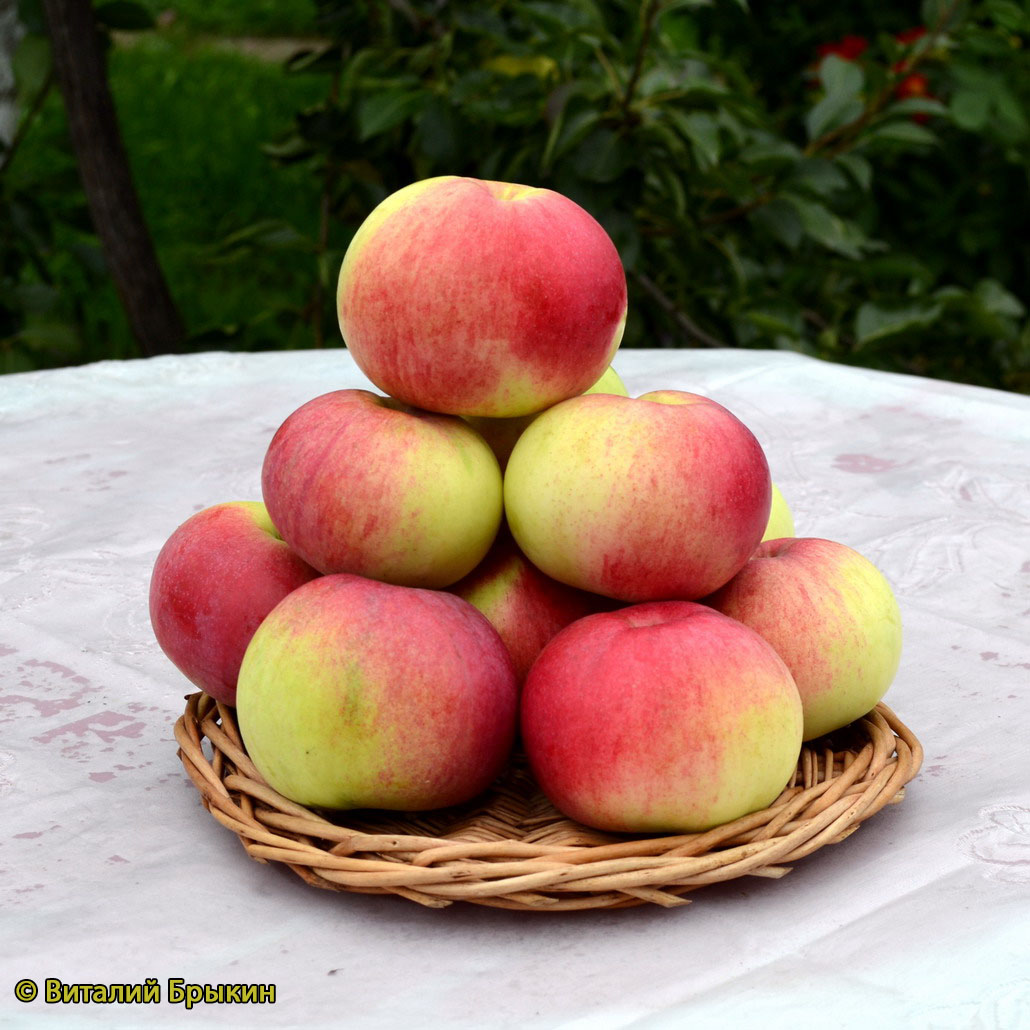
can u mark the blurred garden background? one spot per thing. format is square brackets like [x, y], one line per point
[850, 181]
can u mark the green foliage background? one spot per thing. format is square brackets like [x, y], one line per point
[861, 202]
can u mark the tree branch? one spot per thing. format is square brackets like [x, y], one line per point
[649, 17]
[81, 74]
[687, 324]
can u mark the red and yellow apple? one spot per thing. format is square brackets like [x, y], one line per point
[661, 497]
[503, 433]
[660, 717]
[360, 694]
[526, 607]
[473, 297]
[360, 483]
[830, 614]
[781, 521]
[216, 578]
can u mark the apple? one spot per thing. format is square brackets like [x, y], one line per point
[503, 433]
[781, 522]
[830, 614]
[664, 717]
[473, 297]
[360, 694]
[526, 607]
[360, 483]
[662, 497]
[217, 576]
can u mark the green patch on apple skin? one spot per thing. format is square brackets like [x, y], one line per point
[491, 596]
[261, 517]
[290, 713]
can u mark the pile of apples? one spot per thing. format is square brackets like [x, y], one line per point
[506, 541]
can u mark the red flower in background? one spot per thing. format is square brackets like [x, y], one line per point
[850, 48]
[914, 86]
[909, 36]
[910, 85]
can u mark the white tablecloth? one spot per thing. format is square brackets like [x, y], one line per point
[111, 872]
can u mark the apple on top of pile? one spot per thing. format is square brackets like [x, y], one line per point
[506, 539]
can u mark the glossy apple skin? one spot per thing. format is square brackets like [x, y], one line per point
[216, 578]
[830, 614]
[660, 717]
[663, 497]
[526, 607]
[503, 433]
[781, 521]
[360, 694]
[360, 483]
[474, 297]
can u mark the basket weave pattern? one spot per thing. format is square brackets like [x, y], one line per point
[512, 849]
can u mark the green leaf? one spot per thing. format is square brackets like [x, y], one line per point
[860, 170]
[481, 21]
[603, 156]
[769, 155]
[325, 60]
[125, 16]
[702, 130]
[917, 105]
[781, 221]
[1011, 111]
[877, 321]
[818, 176]
[952, 296]
[996, 300]
[380, 112]
[970, 109]
[832, 112]
[841, 78]
[680, 79]
[940, 12]
[665, 179]
[828, 229]
[908, 133]
[568, 131]
[776, 320]
[439, 133]
[1009, 15]
[842, 82]
[563, 19]
[269, 234]
[625, 234]
[897, 267]
[289, 149]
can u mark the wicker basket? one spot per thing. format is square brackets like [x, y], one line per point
[512, 849]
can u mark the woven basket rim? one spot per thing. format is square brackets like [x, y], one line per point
[511, 849]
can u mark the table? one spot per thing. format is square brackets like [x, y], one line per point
[112, 873]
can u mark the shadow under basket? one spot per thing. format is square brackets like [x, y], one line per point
[510, 848]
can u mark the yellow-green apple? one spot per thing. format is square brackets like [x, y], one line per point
[474, 297]
[662, 497]
[610, 382]
[217, 576]
[503, 433]
[360, 483]
[830, 614]
[360, 694]
[526, 607]
[781, 522]
[660, 717]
